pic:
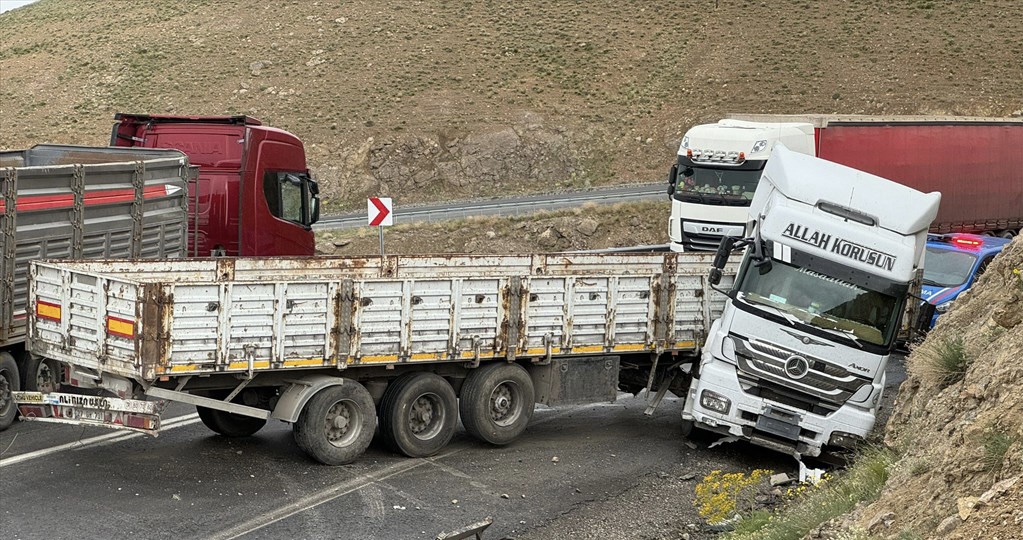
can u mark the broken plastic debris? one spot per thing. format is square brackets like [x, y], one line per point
[723, 440]
[810, 475]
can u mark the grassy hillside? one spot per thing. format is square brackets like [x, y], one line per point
[446, 99]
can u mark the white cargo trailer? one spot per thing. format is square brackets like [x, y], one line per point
[331, 345]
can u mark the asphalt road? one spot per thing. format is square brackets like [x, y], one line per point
[59, 481]
[500, 207]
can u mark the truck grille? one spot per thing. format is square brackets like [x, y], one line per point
[700, 242]
[823, 388]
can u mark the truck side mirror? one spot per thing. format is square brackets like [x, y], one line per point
[715, 276]
[672, 176]
[720, 259]
[314, 201]
[724, 251]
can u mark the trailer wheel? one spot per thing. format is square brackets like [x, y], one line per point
[497, 403]
[337, 424]
[1008, 233]
[418, 414]
[230, 424]
[41, 375]
[8, 383]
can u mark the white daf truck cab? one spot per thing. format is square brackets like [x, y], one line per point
[797, 359]
[713, 181]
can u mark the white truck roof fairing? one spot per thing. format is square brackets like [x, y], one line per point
[824, 120]
[792, 189]
[740, 136]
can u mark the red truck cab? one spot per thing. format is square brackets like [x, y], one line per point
[254, 195]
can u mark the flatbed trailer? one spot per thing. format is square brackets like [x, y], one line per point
[332, 345]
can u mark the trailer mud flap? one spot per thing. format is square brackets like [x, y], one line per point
[568, 381]
[114, 413]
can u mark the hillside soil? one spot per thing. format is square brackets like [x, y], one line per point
[439, 100]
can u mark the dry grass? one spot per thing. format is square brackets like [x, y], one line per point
[622, 80]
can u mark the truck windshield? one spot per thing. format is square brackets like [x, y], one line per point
[812, 297]
[733, 187]
[947, 268]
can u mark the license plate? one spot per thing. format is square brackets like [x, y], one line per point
[776, 423]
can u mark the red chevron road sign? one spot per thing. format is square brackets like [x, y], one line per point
[379, 210]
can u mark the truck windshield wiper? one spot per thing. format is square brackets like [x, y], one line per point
[792, 319]
[931, 282]
[697, 193]
[848, 334]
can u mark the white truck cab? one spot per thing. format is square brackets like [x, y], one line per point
[797, 359]
[713, 181]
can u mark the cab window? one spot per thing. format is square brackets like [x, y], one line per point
[291, 196]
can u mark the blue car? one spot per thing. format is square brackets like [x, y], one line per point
[953, 263]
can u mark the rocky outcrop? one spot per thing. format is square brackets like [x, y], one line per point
[960, 473]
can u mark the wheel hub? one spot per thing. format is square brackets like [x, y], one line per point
[503, 404]
[342, 423]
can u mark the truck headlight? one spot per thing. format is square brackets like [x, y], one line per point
[759, 145]
[715, 402]
[942, 308]
[844, 440]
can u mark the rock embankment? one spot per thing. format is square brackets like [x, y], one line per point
[961, 438]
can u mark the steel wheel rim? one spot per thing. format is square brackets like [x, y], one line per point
[6, 400]
[506, 403]
[46, 379]
[342, 423]
[426, 416]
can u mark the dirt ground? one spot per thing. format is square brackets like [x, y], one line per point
[436, 100]
[589, 227]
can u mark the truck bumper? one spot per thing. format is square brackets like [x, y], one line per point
[767, 423]
[110, 412]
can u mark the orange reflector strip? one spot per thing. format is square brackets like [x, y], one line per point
[48, 311]
[120, 327]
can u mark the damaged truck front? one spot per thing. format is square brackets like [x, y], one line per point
[797, 360]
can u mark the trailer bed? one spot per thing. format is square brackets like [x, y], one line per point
[144, 320]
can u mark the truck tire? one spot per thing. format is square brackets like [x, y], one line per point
[41, 374]
[229, 424]
[496, 403]
[337, 424]
[418, 414]
[9, 382]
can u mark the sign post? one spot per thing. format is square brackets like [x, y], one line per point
[380, 216]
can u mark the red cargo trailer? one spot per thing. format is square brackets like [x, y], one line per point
[976, 164]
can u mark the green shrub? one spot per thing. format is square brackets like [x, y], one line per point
[945, 361]
[996, 444]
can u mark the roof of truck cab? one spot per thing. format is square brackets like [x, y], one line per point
[823, 120]
[180, 119]
[811, 180]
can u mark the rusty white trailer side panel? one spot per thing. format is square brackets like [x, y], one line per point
[145, 319]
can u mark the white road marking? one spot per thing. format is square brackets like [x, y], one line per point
[99, 440]
[355, 484]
